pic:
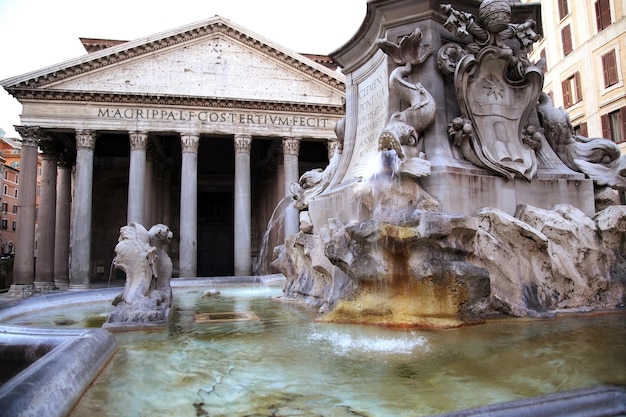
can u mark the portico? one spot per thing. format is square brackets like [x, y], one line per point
[205, 144]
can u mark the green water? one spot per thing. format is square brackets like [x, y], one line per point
[285, 364]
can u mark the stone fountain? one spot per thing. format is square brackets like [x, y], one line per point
[458, 190]
[147, 296]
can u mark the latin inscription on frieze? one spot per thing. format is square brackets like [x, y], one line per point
[209, 117]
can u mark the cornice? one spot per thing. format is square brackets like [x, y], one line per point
[164, 100]
[133, 49]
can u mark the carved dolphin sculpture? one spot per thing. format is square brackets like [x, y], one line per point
[598, 158]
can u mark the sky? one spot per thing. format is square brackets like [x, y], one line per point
[39, 33]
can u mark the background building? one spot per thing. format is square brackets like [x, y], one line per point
[202, 128]
[10, 156]
[584, 48]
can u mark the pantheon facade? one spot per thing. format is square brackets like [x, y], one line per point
[202, 128]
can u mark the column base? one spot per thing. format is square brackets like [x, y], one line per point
[62, 284]
[78, 287]
[21, 290]
[44, 287]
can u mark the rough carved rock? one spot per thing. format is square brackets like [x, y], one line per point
[430, 269]
[541, 261]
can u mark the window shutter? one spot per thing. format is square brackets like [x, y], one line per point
[609, 69]
[605, 119]
[566, 94]
[583, 129]
[579, 93]
[563, 10]
[603, 14]
[622, 113]
[566, 40]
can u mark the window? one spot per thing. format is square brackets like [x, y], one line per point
[15, 193]
[609, 69]
[14, 225]
[614, 125]
[17, 178]
[566, 40]
[6, 175]
[542, 55]
[5, 224]
[563, 9]
[15, 208]
[581, 130]
[5, 207]
[572, 93]
[603, 14]
[6, 190]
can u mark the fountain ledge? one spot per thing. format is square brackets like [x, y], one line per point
[594, 401]
[71, 360]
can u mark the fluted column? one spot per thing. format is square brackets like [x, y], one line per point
[243, 222]
[80, 265]
[137, 177]
[62, 223]
[24, 262]
[291, 147]
[44, 268]
[188, 255]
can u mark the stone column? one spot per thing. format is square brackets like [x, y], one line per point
[291, 147]
[167, 187]
[159, 193]
[62, 223]
[80, 265]
[44, 267]
[24, 262]
[332, 146]
[149, 191]
[243, 222]
[188, 253]
[137, 177]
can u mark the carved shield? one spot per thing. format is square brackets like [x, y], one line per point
[498, 108]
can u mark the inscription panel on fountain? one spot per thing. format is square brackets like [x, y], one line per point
[371, 110]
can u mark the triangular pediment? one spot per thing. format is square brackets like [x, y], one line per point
[213, 59]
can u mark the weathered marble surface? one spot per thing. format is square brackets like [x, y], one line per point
[147, 294]
[432, 269]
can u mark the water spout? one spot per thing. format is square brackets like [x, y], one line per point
[272, 236]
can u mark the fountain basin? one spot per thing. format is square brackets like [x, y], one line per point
[288, 361]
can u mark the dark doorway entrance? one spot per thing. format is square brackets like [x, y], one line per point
[215, 234]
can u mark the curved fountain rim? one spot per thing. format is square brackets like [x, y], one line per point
[19, 307]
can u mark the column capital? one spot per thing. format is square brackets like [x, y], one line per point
[333, 147]
[291, 146]
[66, 159]
[31, 135]
[243, 143]
[138, 140]
[48, 147]
[85, 139]
[190, 142]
